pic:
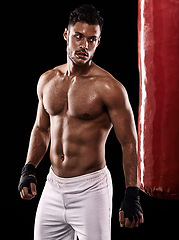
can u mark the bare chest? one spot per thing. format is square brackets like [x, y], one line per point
[78, 99]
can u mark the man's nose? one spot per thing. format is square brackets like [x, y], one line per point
[84, 44]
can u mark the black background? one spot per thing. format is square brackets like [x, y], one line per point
[33, 43]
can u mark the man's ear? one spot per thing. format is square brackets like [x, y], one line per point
[65, 34]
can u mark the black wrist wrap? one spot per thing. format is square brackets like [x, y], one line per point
[25, 179]
[131, 204]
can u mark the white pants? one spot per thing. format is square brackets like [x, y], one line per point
[78, 206]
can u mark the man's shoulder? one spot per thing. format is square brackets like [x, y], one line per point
[107, 82]
[49, 75]
[110, 90]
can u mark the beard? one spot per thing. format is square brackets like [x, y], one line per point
[75, 60]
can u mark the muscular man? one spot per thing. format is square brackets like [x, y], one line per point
[79, 103]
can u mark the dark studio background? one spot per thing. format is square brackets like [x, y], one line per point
[33, 44]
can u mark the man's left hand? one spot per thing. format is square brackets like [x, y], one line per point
[130, 212]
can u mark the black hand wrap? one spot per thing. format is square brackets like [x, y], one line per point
[131, 204]
[25, 179]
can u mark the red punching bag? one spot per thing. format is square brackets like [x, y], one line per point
[158, 122]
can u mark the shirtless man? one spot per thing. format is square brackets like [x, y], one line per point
[79, 103]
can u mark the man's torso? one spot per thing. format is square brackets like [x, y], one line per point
[79, 122]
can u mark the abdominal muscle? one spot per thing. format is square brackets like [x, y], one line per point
[77, 146]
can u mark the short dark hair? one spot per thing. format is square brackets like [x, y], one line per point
[86, 13]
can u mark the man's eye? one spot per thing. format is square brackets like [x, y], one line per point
[78, 36]
[92, 40]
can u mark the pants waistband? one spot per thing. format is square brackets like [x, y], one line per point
[85, 177]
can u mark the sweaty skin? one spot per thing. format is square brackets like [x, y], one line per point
[77, 113]
[79, 103]
[79, 122]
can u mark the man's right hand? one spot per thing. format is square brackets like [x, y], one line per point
[28, 195]
[28, 182]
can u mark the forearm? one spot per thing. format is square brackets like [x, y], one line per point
[130, 164]
[38, 145]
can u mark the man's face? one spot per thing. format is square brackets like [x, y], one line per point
[82, 41]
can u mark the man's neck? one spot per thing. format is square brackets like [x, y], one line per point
[77, 70]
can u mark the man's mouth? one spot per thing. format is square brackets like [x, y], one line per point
[81, 54]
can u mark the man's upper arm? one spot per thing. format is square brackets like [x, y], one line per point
[120, 112]
[42, 119]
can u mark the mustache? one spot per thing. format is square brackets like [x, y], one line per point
[82, 51]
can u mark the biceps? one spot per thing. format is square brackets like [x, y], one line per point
[124, 125]
[42, 118]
